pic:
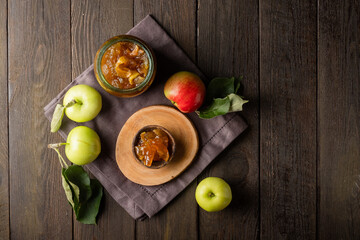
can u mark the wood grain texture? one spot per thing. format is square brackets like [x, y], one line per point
[178, 220]
[39, 67]
[85, 34]
[4, 131]
[228, 46]
[92, 23]
[177, 17]
[288, 119]
[339, 119]
[299, 128]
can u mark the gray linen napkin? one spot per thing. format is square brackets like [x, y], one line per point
[215, 134]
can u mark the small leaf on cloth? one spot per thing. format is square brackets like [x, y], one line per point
[57, 118]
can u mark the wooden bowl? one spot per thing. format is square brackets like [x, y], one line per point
[181, 128]
[171, 148]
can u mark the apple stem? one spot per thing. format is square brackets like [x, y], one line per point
[72, 102]
[55, 147]
[211, 195]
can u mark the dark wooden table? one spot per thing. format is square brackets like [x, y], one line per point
[295, 173]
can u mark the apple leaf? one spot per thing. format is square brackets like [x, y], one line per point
[89, 209]
[219, 106]
[219, 87]
[57, 118]
[74, 195]
[237, 84]
[222, 98]
[76, 192]
[67, 188]
[236, 103]
[83, 194]
[77, 176]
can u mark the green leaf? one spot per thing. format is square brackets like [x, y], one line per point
[221, 97]
[236, 103]
[57, 118]
[219, 106]
[75, 191]
[237, 83]
[83, 194]
[77, 176]
[89, 209]
[67, 188]
[219, 87]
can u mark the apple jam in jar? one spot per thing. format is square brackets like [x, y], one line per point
[153, 146]
[125, 66]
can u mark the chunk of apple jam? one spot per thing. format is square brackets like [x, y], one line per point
[152, 146]
[125, 65]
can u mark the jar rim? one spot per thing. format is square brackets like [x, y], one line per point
[124, 38]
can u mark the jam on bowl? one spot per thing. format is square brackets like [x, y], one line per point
[125, 66]
[153, 146]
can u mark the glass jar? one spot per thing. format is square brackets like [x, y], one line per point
[131, 92]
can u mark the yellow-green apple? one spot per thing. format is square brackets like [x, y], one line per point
[185, 90]
[82, 145]
[86, 105]
[213, 194]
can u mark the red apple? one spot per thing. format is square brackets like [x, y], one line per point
[185, 90]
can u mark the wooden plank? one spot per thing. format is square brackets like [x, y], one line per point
[4, 131]
[339, 119]
[288, 119]
[39, 67]
[178, 220]
[228, 46]
[93, 22]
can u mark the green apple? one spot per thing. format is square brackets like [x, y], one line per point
[213, 194]
[87, 103]
[82, 145]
